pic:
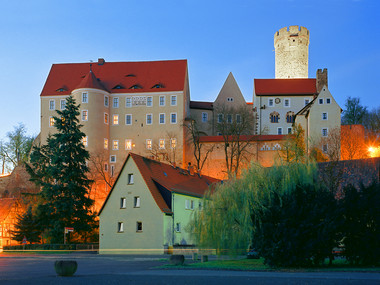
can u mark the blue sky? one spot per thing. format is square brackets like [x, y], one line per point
[216, 37]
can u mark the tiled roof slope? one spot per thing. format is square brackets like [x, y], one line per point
[173, 179]
[6, 205]
[118, 77]
[297, 86]
[90, 81]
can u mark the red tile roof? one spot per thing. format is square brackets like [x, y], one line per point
[201, 105]
[118, 77]
[297, 86]
[244, 138]
[90, 81]
[173, 179]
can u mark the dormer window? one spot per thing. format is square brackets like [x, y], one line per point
[158, 85]
[130, 75]
[136, 86]
[62, 89]
[119, 86]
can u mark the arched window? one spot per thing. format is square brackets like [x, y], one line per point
[290, 117]
[274, 117]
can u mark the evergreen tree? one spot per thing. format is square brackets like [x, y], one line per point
[27, 226]
[59, 167]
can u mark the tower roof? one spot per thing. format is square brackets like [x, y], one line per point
[90, 81]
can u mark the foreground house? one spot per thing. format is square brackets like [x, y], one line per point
[149, 207]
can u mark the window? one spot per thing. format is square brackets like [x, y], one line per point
[189, 204]
[279, 131]
[149, 144]
[238, 118]
[138, 226]
[84, 115]
[173, 100]
[162, 118]
[116, 102]
[320, 101]
[178, 227]
[149, 119]
[274, 117]
[123, 203]
[128, 119]
[106, 101]
[325, 148]
[200, 206]
[106, 167]
[204, 117]
[136, 202]
[63, 104]
[229, 118]
[286, 103]
[128, 102]
[230, 99]
[105, 143]
[51, 105]
[149, 101]
[162, 144]
[270, 102]
[307, 101]
[173, 143]
[113, 158]
[276, 147]
[84, 97]
[84, 141]
[112, 170]
[128, 144]
[173, 118]
[106, 118]
[130, 179]
[220, 118]
[289, 131]
[324, 132]
[328, 100]
[120, 227]
[115, 144]
[290, 117]
[51, 121]
[324, 116]
[162, 100]
[115, 120]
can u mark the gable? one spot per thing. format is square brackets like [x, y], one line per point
[230, 93]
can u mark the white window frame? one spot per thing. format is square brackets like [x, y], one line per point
[123, 203]
[171, 118]
[285, 99]
[148, 143]
[84, 112]
[269, 102]
[105, 144]
[106, 101]
[115, 144]
[175, 100]
[162, 103]
[52, 105]
[63, 104]
[319, 101]
[278, 131]
[204, 117]
[106, 118]
[128, 144]
[115, 116]
[327, 116]
[128, 102]
[289, 130]
[151, 101]
[329, 100]
[327, 132]
[120, 227]
[151, 119]
[126, 120]
[159, 118]
[161, 144]
[136, 202]
[84, 97]
[130, 179]
[115, 102]
[112, 158]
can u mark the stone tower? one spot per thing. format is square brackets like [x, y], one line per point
[292, 52]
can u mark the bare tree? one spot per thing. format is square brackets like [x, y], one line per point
[236, 126]
[99, 168]
[352, 142]
[165, 149]
[330, 145]
[200, 150]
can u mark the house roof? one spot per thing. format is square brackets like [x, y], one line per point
[117, 77]
[6, 205]
[244, 138]
[201, 105]
[174, 179]
[296, 86]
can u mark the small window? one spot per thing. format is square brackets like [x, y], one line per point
[173, 142]
[84, 141]
[230, 99]
[173, 118]
[173, 100]
[238, 118]
[307, 101]
[270, 102]
[84, 115]
[204, 117]
[130, 178]
[105, 143]
[139, 227]
[178, 227]
[220, 118]
[128, 102]
[162, 143]
[51, 122]
[136, 202]
[229, 118]
[320, 101]
[128, 119]
[279, 131]
[289, 131]
[162, 100]
[106, 118]
[123, 203]
[189, 204]
[328, 100]
[115, 145]
[162, 118]
[63, 104]
[325, 148]
[324, 116]
[149, 101]
[149, 119]
[116, 102]
[106, 167]
[286, 103]
[106, 101]
[200, 207]
[112, 170]
[120, 227]
[84, 97]
[115, 119]
[149, 144]
[52, 105]
[324, 132]
[113, 158]
[128, 144]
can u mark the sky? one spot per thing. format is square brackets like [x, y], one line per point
[216, 37]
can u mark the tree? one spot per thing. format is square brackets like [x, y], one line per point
[59, 167]
[201, 150]
[236, 126]
[372, 121]
[27, 226]
[294, 149]
[165, 149]
[354, 112]
[353, 142]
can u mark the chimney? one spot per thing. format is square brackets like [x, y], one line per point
[321, 79]
[101, 61]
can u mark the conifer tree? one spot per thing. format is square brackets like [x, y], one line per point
[59, 167]
[27, 226]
